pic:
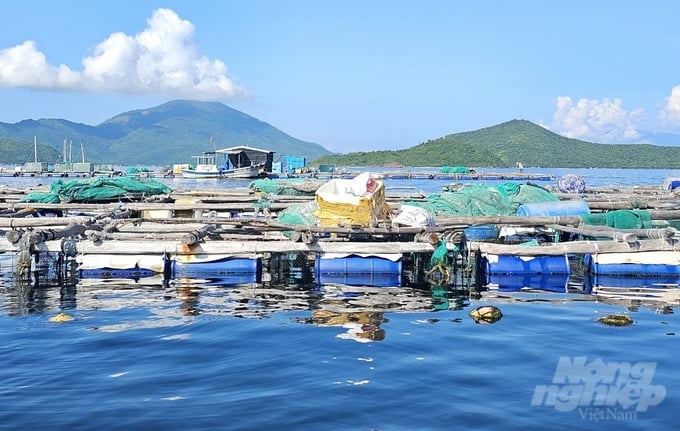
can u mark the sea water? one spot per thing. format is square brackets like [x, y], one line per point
[144, 354]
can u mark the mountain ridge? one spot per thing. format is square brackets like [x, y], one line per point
[182, 127]
[174, 131]
[505, 144]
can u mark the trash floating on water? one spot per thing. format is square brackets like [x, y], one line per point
[486, 314]
[61, 318]
[616, 320]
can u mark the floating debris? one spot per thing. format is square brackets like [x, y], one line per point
[61, 318]
[616, 320]
[486, 314]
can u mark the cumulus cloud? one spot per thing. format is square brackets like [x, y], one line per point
[163, 59]
[596, 121]
[670, 114]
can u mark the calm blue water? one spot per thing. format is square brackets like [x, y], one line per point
[143, 355]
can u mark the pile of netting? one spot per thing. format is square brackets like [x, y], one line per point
[473, 200]
[454, 170]
[620, 219]
[304, 187]
[482, 200]
[134, 170]
[98, 189]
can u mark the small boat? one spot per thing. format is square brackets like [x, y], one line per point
[234, 162]
[211, 164]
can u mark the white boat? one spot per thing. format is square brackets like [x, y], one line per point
[212, 164]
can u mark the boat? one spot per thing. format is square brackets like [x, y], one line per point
[234, 162]
[208, 166]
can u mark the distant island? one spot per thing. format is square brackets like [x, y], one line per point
[175, 131]
[506, 144]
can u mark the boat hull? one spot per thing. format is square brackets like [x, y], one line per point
[246, 172]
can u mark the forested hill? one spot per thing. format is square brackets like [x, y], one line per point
[166, 134]
[515, 141]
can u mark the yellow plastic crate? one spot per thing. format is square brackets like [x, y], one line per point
[337, 208]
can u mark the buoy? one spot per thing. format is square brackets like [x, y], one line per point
[486, 314]
[61, 318]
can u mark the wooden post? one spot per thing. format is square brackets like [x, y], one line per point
[197, 235]
[50, 234]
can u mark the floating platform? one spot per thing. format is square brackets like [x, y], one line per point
[635, 264]
[202, 234]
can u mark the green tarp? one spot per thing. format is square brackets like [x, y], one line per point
[97, 190]
[454, 170]
[483, 200]
[288, 188]
[620, 219]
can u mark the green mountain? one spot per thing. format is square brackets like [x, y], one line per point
[163, 135]
[14, 152]
[515, 141]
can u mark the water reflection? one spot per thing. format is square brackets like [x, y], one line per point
[362, 326]
[360, 310]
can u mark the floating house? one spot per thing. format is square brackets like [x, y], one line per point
[241, 156]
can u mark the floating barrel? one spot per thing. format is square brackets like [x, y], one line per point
[671, 183]
[510, 264]
[517, 282]
[238, 269]
[365, 270]
[119, 266]
[637, 263]
[571, 183]
[572, 207]
[481, 233]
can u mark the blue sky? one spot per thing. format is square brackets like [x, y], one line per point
[353, 75]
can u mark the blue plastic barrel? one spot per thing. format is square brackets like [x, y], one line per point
[249, 268]
[631, 269]
[481, 233]
[572, 207]
[509, 264]
[358, 270]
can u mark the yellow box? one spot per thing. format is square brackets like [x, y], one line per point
[339, 208]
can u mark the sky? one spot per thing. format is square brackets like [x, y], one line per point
[353, 75]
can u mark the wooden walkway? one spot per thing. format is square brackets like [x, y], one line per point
[241, 222]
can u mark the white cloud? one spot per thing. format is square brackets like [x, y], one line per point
[161, 60]
[24, 66]
[670, 114]
[596, 121]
